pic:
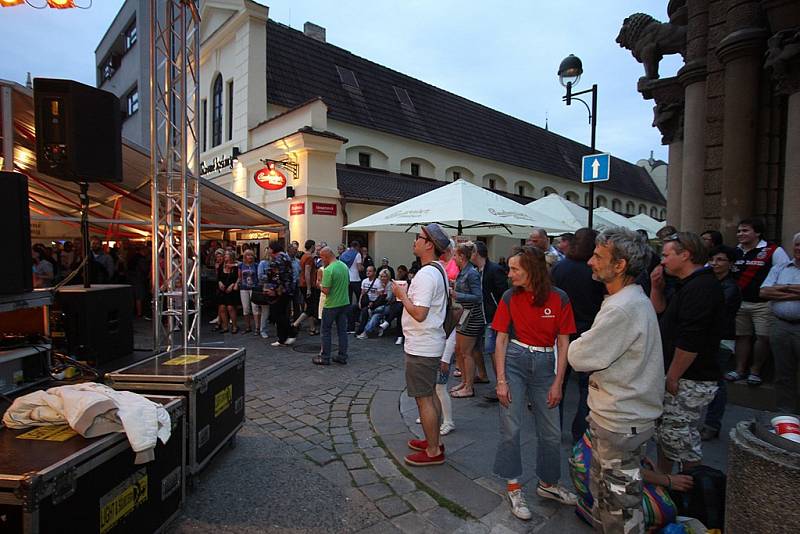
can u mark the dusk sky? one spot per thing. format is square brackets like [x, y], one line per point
[503, 54]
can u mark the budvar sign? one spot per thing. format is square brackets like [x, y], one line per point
[270, 179]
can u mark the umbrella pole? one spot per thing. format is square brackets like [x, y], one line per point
[460, 228]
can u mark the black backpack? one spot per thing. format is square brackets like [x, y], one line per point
[706, 500]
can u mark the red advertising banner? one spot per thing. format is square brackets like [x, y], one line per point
[297, 209]
[322, 208]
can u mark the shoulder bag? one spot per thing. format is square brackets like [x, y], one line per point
[454, 312]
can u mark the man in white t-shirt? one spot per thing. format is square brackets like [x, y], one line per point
[355, 269]
[424, 308]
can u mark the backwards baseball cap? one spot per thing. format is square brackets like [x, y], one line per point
[438, 237]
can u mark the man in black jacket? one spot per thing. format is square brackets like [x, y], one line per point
[691, 328]
[495, 283]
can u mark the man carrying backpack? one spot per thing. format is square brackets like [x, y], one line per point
[352, 258]
[424, 309]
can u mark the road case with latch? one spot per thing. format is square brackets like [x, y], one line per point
[211, 379]
[54, 480]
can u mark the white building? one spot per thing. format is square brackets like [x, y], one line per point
[364, 136]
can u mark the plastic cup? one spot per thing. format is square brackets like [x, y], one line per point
[787, 426]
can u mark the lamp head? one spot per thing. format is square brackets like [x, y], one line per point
[570, 70]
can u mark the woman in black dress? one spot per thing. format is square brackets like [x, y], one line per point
[228, 292]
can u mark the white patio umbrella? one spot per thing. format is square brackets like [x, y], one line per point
[620, 220]
[648, 223]
[460, 206]
[567, 213]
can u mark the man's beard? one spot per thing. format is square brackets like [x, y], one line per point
[602, 276]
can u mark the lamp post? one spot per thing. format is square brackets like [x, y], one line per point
[569, 74]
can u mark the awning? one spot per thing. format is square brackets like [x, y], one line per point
[125, 205]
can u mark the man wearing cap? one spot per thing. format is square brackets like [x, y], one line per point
[424, 308]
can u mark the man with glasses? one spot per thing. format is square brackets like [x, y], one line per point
[424, 308]
[691, 328]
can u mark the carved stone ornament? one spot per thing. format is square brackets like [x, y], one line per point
[783, 59]
[668, 118]
[650, 40]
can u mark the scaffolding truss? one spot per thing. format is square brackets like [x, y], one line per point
[174, 160]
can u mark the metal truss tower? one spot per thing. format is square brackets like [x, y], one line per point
[174, 160]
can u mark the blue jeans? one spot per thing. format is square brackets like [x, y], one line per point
[489, 339]
[529, 374]
[717, 407]
[375, 319]
[336, 315]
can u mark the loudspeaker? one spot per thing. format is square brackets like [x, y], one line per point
[97, 321]
[16, 269]
[78, 131]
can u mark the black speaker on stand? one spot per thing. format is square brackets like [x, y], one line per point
[79, 139]
[16, 269]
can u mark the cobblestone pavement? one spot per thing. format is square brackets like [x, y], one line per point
[322, 449]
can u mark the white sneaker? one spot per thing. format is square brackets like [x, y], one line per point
[418, 421]
[215, 320]
[264, 335]
[277, 344]
[362, 335]
[446, 428]
[518, 505]
[290, 341]
[399, 341]
[384, 325]
[557, 493]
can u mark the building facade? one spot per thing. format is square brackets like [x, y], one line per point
[731, 116]
[348, 137]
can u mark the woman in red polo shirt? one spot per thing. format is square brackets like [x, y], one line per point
[531, 319]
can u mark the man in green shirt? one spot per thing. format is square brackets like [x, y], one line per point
[335, 285]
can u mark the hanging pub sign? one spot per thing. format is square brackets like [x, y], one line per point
[270, 178]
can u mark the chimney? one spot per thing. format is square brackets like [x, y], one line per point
[314, 31]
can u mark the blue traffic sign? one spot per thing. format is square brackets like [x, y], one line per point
[596, 168]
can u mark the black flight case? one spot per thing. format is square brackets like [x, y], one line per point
[54, 480]
[212, 381]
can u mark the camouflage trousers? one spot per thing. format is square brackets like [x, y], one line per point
[677, 432]
[616, 480]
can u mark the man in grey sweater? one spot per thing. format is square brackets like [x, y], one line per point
[623, 352]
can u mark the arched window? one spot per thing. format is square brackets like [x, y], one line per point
[642, 209]
[616, 205]
[600, 202]
[216, 112]
[630, 207]
[548, 191]
[572, 197]
[663, 214]
[654, 212]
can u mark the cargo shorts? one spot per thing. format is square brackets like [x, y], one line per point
[677, 431]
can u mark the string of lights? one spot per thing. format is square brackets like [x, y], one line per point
[44, 4]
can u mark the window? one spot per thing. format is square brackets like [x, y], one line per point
[600, 202]
[216, 112]
[130, 36]
[616, 205]
[492, 183]
[654, 212]
[663, 214]
[642, 209]
[364, 160]
[403, 98]
[107, 68]
[204, 123]
[133, 101]
[347, 76]
[415, 169]
[521, 190]
[456, 175]
[230, 110]
[630, 207]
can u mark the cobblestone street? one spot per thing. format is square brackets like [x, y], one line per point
[311, 457]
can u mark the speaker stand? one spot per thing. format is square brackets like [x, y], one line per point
[84, 195]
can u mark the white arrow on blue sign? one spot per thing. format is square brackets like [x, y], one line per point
[596, 168]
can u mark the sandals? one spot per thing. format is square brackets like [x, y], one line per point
[733, 376]
[754, 380]
[461, 394]
[456, 388]
[457, 372]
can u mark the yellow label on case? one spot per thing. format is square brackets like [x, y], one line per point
[49, 433]
[222, 400]
[186, 360]
[122, 500]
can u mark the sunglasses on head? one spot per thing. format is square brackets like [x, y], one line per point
[673, 237]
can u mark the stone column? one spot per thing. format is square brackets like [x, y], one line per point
[791, 178]
[741, 51]
[693, 77]
[675, 183]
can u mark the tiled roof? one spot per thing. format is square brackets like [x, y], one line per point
[384, 187]
[300, 68]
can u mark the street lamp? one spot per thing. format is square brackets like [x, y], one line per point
[569, 74]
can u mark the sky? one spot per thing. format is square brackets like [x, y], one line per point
[503, 54]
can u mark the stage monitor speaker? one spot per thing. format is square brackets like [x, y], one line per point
[16, 269]
[78, 131]
[97, 321]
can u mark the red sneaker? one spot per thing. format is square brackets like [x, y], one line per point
[422, 459]
[421, 445]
